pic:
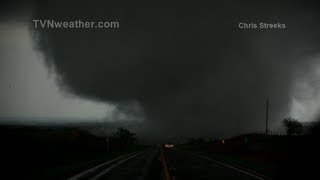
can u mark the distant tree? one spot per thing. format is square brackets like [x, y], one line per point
[293, 126]
[196, 140]
[200, 140]
[125, 136]
[191, 141]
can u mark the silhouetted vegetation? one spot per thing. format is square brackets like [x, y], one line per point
[30, 152]
[125, 136]
[279, 157]
[259, 152]
[293, 127]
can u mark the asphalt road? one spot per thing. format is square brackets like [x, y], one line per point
[187, 166]
[144, 165]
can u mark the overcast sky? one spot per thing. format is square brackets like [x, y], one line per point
[188, 66]
[27, 87]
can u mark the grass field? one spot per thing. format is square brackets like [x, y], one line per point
[54, 153]
[259, 153]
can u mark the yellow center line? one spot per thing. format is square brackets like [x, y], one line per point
[166, 169]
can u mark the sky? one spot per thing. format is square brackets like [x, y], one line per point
[184, 69]
[29, 90]
[305, 103]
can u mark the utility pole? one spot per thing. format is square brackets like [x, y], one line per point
[237, 127]
[267, 114]
[107, 140]
[238, 124]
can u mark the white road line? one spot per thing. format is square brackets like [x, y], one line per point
[221, 163]
[90, 171]
[98, 176]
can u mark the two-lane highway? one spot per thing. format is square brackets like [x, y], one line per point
[175, 165]
[139, 168]
[135, 166]
[187, 166]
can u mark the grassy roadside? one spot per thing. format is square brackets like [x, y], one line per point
[29, 152]
[242, 163]
[234, 160]
[257, 153]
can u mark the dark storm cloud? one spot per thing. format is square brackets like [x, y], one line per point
[15, 10]
[187, 63]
